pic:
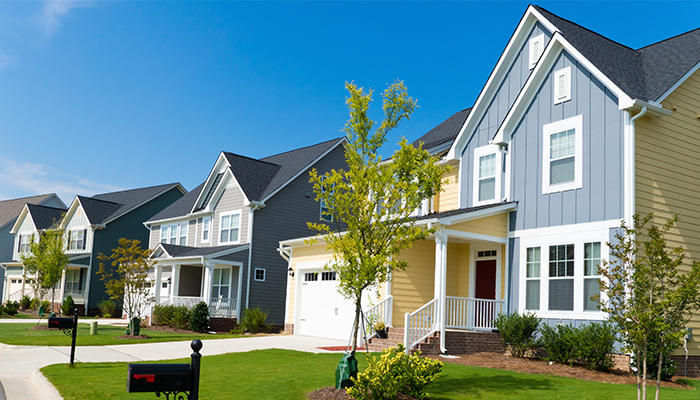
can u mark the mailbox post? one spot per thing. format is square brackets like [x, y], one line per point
[69, 326]
[181, 381]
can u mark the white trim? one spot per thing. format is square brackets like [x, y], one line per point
[565, 229]
[221, 218]
[204, 220]
[230, 280]
[678, 83]
[255, 274]
[558, 75]
[575, 123]
[483, 152]
[474, 249]
[475, 236]
[506, 173]
[537, 40]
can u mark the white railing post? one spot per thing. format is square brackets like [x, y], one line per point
[407, 327]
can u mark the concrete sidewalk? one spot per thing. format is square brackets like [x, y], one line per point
[19, 365]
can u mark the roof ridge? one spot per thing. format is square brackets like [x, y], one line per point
[584, 28]
[305, 147]
[28, 197]
[132, 190]
[249, 158]
[667, 39]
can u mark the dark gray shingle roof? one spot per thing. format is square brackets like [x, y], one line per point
[186, 251]
[447, 131]
[181, 207]
[254, 176]
[10, 209]
[45, 217]
[106, 206]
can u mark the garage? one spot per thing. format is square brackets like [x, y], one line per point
[322, 311]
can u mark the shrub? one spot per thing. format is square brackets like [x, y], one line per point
[199, 318]
[68, 306]
[518, 332]
[47, 306]
[2, 309]
[163, 314]
[108, 307]
[108, 315]
[596, 342]
[561, 343]
[181, 317]
[395, 372]
[238, 330]
[253, 319]
[11, 307]
[33, 304]
[668, 366]
[26, 302]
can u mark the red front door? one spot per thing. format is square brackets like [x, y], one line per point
[485, 288]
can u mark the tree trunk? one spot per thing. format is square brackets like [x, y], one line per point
[644, 373]
[356, 324]
[639, 376]
[658, 372]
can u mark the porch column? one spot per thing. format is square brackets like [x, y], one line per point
[24, 279]
[441, 282]
[62, 290]
[208, 273]
[158, 284]
[175, 285]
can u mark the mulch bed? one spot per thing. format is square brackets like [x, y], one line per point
[165, 328]
[533, 366]
[330, 393]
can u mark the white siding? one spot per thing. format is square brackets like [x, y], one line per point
[78, 221]
[26, 228]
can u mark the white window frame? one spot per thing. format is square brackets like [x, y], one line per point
[537, 278]
[69, 239]
[575, 123]
[255, 276]
[25, 247]
[180, 227]
[558, 74]
[206, 220]
[533, 59]
[221, 218]
[478, 153]
[220, 283]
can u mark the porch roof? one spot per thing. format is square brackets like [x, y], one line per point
[495, 208]
[176, 251]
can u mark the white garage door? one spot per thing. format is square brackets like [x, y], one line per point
[324, 312]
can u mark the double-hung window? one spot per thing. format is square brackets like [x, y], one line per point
[221, 283]
[24, 243]
[174, 233]
[561, 277]
[230, 227]
[591, 274]
[206, 228]
[487, 176]
[562, 167]
[76, 239]
[532, 279]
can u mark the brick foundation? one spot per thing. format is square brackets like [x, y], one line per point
[289, 329]
[622, 362]
[692, 368]
[219, 324]
[456, 342]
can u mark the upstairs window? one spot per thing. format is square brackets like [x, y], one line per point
[24, 243]
[562, 85]
[206, 227]
[230, 227]
[536, 49]
[487, 177]
[174, 233]
[76, 239]
[563, 164]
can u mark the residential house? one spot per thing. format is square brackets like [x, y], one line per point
[218, 244]
[9, 211]
[571, 134]
[93, 226]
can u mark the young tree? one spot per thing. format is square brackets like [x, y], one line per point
[47, 260]
[131, 286]
[374, 199]
[648, 295]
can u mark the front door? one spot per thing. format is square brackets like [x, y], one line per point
[485, 288]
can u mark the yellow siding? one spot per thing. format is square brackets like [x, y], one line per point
[415, 286]
[496, 225]
[454, 272]
[464, 262]
[448, 199]
[667, 167]
[302, 255]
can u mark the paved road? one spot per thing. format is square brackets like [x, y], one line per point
[19, 365]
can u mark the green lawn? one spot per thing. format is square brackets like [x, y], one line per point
[20, 334]
[286, 374]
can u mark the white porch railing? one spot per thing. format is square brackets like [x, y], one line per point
[163, 300]
[77, 295]
[16, 296]
[185, 301]
[381, 312]
[470, 313]
[220, 307]
[420, 324]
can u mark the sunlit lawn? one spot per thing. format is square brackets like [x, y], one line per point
[286, 374]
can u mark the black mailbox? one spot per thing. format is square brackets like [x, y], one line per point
[61, 322]
[159, 378]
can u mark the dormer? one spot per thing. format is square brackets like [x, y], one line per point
[218, 180]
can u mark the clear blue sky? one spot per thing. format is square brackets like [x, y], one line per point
[98, 96]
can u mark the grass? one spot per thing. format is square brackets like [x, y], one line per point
[20, 334]
[286, 374]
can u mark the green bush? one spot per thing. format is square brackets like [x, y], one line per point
[163, 314]
[108, 307]
[11, 307]
[26, 302]
[395, 372]
[595, 343]
[47, 306]
[518, 332]
[2, 309]
[253, 319]
[199, 318]
[181, 317]
[560, 343]
[237, 330]
[668, 366]
[33, 304]
[68, 306]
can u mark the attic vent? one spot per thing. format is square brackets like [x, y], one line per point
[210, 193]
[536, 48]
[562, 85]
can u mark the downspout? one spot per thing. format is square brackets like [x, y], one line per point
[632, 170]
[256, 206]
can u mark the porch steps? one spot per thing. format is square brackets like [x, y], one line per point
[456, 342]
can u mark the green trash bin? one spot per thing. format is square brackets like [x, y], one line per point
[134, 326]
[93, 328]
[347, 368]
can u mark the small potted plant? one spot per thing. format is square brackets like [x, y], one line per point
[380, 329]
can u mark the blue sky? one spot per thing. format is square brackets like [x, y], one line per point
[98, 96]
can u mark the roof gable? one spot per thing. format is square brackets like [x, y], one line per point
[10, 209]
[45, 217]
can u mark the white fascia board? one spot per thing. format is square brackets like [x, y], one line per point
[654, 109]
[228, 251]
[220, 162]
[677, 84]
[470, 216]
[529, 19]
[186, 217]
[71, 210]
[178, 186]
[475, 236]
[551, 53]
[20, 218]
[342, 141]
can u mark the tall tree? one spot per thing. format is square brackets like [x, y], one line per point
[647, 294]
[127, 281]
[371, 202]
[47, 261]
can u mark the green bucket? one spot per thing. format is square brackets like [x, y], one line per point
[347, 368]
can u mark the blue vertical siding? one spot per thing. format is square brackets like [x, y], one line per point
[513, 274]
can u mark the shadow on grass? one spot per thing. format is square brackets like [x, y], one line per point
[478, 386]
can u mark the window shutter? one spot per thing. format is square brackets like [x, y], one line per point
[84, 238]
[68, 244]
[19, 243]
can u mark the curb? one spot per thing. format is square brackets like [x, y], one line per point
[45, 388]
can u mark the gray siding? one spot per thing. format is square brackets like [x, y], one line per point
[601, 197]
[496, 112]
[284, 217]
[231, 200]
[191, 232]
[514, 274]
[154, 237]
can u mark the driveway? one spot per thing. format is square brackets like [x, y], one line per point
[19, 365]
